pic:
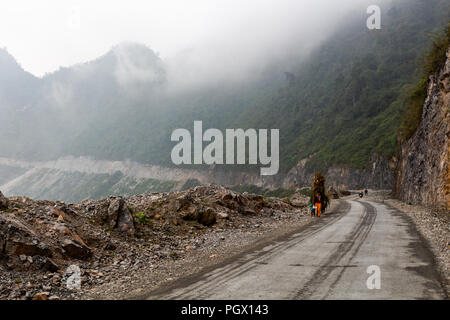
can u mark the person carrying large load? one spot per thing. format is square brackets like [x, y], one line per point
[319, 199]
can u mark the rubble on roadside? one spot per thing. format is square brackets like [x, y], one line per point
[40, 240]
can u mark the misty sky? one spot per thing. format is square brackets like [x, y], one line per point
[44, 35]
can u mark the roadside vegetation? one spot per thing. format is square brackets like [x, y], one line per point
[432, 62]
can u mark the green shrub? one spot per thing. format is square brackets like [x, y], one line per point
[432, 62]
[141, 218]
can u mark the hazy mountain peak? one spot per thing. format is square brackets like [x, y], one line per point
[136, 63]
[9, 64]
[16, 85]
[128, 65]
[133, 47]
[6, 57]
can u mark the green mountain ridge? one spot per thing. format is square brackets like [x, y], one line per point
[338, 108]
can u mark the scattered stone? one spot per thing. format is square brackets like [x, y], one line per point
[75, 249]
[41, 296]
[223, 215]
[110, 246]
[48, 236]
[49, 265]
[248, 211]
[207, 217]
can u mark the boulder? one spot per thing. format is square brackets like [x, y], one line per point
[113, 211]
[48, 264]
[120, 217]
[207, 217]
[4, 202]
[241, 200]
[75, 249]
[41, 296]
[204, 215]
[192, 213]
[227, 196]
[181, 202]
[125, 222]
[18, 239]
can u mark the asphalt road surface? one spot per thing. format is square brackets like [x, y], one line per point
[326, 260]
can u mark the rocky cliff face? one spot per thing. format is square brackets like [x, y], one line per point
[423, 172]
[379, 175]
[74, 179]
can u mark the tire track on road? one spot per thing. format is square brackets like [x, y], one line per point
[349, 247]
[205, 282]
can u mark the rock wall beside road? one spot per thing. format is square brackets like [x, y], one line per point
[423, 171]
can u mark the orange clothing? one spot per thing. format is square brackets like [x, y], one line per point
[319, 208]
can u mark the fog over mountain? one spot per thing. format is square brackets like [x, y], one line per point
[212, 36]
[182, 149]
[334, 88]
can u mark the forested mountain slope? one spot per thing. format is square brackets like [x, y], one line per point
[342, 105]
[338, 107]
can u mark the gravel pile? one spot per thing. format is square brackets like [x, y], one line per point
[125, 245]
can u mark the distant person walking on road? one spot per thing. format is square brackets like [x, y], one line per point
[319, 199]
[312, 210]
[318, 203]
